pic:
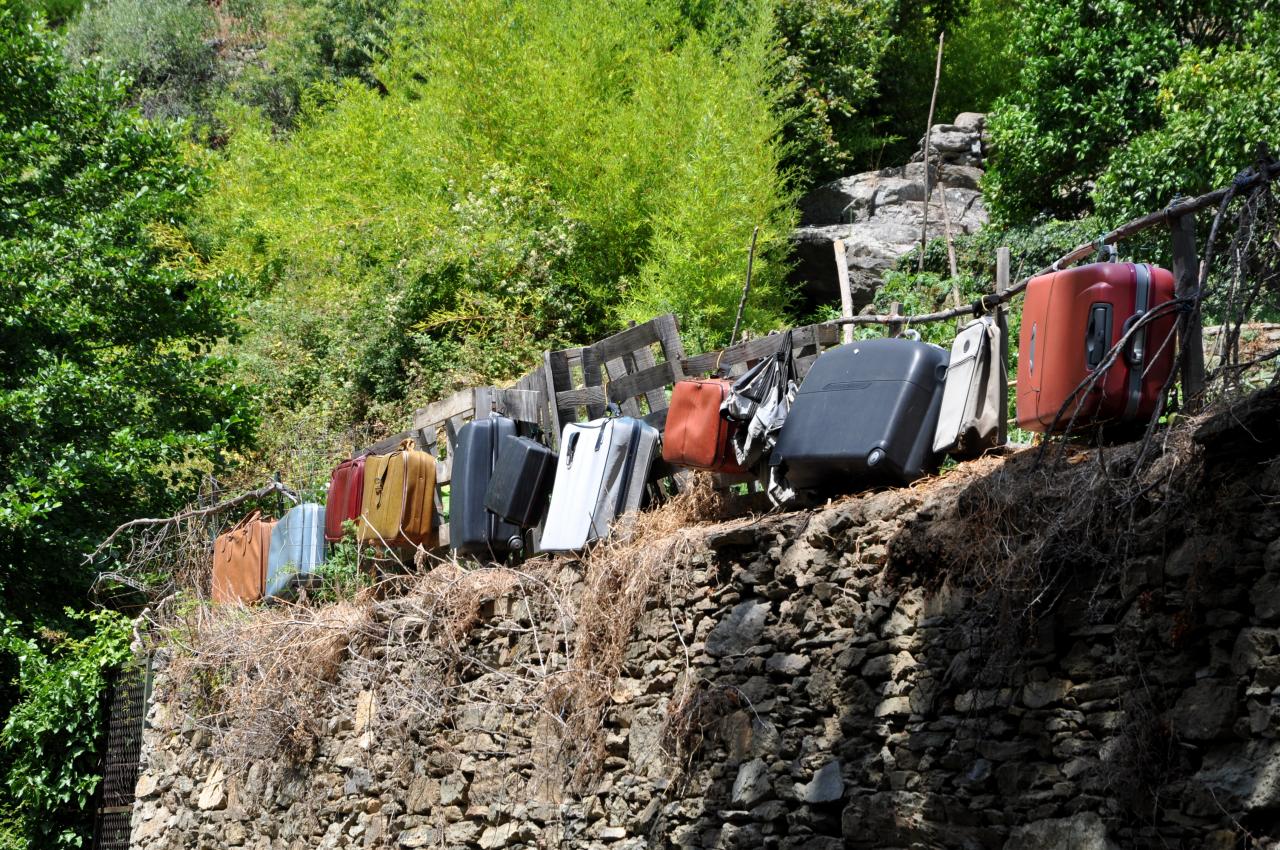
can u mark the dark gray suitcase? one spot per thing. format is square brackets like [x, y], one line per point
[521, 481]
[472, 528]
[866, 414]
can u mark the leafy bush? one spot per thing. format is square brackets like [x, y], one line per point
[49, 743]
[1215, 108]
[110, 403]
[165, 47]
[1088, 87]
[535, 174]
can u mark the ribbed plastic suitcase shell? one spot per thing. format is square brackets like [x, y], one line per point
[969, 419]
[346, 490]
[297, 548]
[473, 528]
[521, 481]
[865, 414]
[1070, 319]
[696, 435]
[600, 475]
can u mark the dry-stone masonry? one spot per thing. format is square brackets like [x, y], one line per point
[878, 214]
[864, 706]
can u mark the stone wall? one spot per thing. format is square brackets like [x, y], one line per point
[855, 696]
[878, 215]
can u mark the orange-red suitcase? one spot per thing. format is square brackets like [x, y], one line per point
[1070, 320]
[696, 435]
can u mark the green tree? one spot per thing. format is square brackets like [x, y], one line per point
[536, 174]
[1216, 107]
[49, 745]
[110, 402]
[1088, 86]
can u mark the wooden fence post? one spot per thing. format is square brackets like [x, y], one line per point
[1002, 324]
[1186, 280]
[846, 294]
[895, 327]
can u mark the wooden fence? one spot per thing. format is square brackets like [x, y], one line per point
[636, 368]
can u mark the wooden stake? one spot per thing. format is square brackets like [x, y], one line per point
[895, 325]
[846, 293]
[1002, 326]
[1186, 279]
[928, 131]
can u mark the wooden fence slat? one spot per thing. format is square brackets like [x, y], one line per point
[651, 380]
[462, 401]
[1186, 280]
[629, 340]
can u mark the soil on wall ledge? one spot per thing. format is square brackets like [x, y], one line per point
[1080, 649]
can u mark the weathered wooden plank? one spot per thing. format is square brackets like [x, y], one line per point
[618, 369]
[672, 345]
[555, 366]
[633, 338]
[846, 293]
[1002, 327]
[521, 405]
[460, 402]
[655, 396]
[1186, 280]
[570, 400]
[652, 380]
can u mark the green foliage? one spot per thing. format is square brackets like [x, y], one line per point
[110, 403]
[1215, 108]
[341, 576]
[536, 174]
[307, 47]
[1087, 88]
[48, 745]
[834, 52]
[165, 47]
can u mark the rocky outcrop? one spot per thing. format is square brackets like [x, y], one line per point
[878, 214]
[854, 696]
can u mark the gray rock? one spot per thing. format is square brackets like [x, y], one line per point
[752, 783]
[740, 630]
[419, 836]
[1206, 710]
[826, 785]
[970, 122]
[1243, 777]
[1041, 694]
[1084, 831]
[787, 664]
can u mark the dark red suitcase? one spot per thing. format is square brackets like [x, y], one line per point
[1070, 320]
[346, 493]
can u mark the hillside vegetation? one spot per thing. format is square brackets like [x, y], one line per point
[230, 227]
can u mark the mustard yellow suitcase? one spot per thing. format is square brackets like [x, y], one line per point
[397, 508]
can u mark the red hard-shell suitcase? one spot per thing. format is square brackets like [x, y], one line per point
[346, 490]
[1070, 320]
[696, 435]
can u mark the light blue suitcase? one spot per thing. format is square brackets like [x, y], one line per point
[297, 548]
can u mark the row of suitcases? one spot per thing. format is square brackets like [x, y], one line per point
[878, 411]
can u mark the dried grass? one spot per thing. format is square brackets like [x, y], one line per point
[260, 679]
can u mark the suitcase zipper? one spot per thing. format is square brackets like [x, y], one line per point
[1138, 345]
[627, 469]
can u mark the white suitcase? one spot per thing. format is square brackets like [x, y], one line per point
[970, 417]
[297, 548]
[601, 474]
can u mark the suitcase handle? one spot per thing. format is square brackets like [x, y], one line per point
[1135, 350]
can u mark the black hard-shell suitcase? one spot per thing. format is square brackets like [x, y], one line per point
[472, 528]
[866, 414]
[521, 481]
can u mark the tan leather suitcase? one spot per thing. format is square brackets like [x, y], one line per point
[399, 498]
[696, 434]
[240, 559]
